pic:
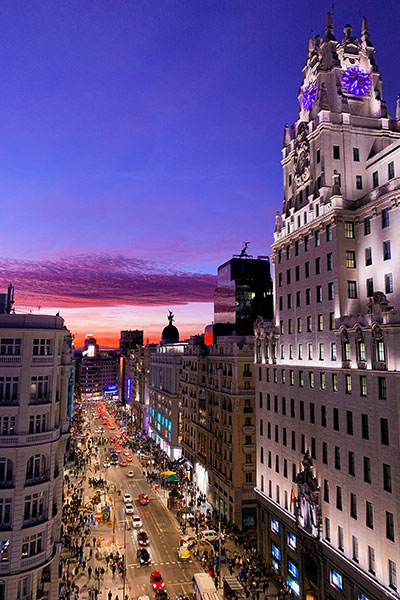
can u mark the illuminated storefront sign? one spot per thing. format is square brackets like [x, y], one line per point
[128, 388]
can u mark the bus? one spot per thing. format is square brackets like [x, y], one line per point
[203, 587]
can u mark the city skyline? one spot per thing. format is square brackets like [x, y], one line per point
[134, 140]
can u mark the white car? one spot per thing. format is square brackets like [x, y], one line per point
[129, 509]
[106, 464]
[130, 474]
[210, 535]
[137, 521]
[188, 540]
[128, 498]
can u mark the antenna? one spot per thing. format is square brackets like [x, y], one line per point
[333, 8]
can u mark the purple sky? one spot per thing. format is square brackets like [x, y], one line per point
[141, 144]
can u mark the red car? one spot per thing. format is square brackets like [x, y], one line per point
[129, 458]
[144, 499]
[123, 463]
[156, 580]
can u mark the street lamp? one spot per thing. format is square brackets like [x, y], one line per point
[115, 509]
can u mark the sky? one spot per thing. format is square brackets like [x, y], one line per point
[140, 145]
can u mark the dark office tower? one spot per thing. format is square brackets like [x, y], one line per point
[130, 339]
[243, 292]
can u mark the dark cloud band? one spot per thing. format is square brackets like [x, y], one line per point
[102, 280]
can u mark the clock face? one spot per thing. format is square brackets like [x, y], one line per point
[356, 81]
[309, 96]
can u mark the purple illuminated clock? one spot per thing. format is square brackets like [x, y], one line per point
[356, 81]
[309, 96]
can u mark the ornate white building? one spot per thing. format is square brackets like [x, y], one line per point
[36, 385]
[328, 378]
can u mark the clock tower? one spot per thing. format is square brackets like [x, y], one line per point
[341, 107]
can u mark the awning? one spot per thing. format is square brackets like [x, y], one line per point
[168, 473]
[173, 478]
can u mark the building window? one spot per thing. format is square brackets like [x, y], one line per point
[331, 291]
[339, 504]
[350, 259]
[391, 170]
[367, 469]
[349, 420]
[385, 218]
[371, 560]
[298, 324]
[367, 225]
[319, 293]
[310, 351]
[337, 458]
[4, 550]
[336, 419]
[354, 543]
[369, 515]
[387, 478]
[287, 252]
[331, 321]
[384, 432]
[370, 287]
[364, 427]
[352, 289]
[32, 545]
[41, 347]
[333, 351]
[359, 182]
[349, 230]
[306, 243]
[300, 352]
[387, 255]
[5, 512]
[363, 385]
[328, 233]
[311, 379]
[388, 283]
[301, 379]
[10, 346]
[375, 179]
[317, 266]
[323, 416]
[318, 155]
[336, 152]
[351, 464]
[392, 573]
[308, 296]
[380, 351]
[321, 352]
[320, 323]
[353, 506]
[334, 382]
[382, 388]
[325, 453]
[368, 257]
[297, 273]
[298, 299]
[329, 261]
[322, 381]
[347, 380]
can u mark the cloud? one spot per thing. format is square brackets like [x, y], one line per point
[102, 280]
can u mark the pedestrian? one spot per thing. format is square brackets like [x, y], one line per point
[110, 595]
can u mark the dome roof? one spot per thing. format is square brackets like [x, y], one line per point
[170, 334]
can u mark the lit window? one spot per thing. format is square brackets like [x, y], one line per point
[321, 352]
[310, 351]
[349, 230]
[275, 525]
[363, 385]
[347, 379]
[350, 259]
[351, 289]
[300, 352]
[333, 351]
[292, 541]
[361, 351]
[380, 351]
[320, 322]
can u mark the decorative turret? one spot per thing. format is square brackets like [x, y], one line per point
[365, 32]
[286, 135]
[170, 334]
[398, 108]
[278, 224]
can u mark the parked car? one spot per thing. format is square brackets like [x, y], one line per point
[210, 535]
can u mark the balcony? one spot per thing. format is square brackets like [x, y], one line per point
[36, 479]
[6, 485]
[249, 486]
[248, 409]
[249, 466]
[45, 399]
[249, 448]
[247, 374]
[43, 360]
[12, 361]
[9, 401]
[32, 521]
[249, 429]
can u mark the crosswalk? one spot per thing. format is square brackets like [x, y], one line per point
[157, 564]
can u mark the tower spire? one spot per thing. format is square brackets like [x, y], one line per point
[329, 35]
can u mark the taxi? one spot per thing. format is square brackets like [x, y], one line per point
[183, 553]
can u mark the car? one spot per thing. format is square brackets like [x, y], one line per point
[129, 458]
[123, 463]
[183, 553]
[130, 474]
[117, 448]
[210, 535]
[157, 581]
[144, 499]
[112, 440]
[106, 464]
[128, 498]
[188, 517]
[143, 538]
[161, 594]
[143, 556]
[126, 453]
[183, 598]
[129, 509]
[188, 540]
[105, 422]
[137, 521]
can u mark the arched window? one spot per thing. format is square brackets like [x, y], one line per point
[36, 468]
[6, 472]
